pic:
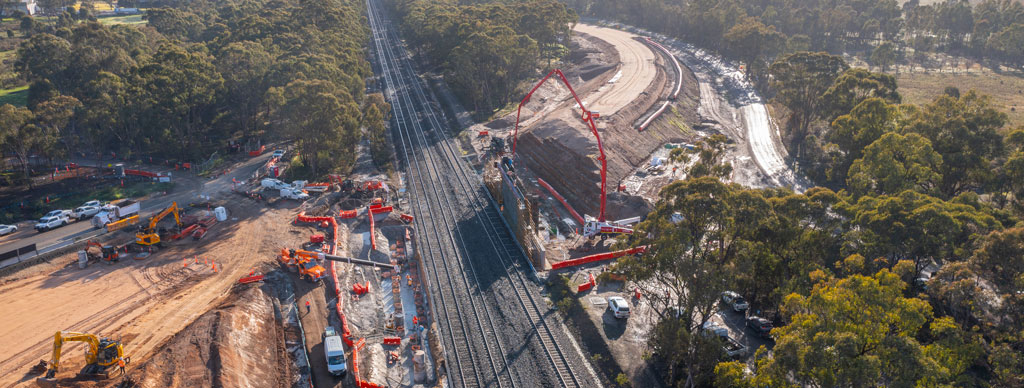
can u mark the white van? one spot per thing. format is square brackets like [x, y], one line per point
[335, 355]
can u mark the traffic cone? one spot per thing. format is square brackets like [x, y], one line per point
[214, 267]
[185, 262]
[197, 259]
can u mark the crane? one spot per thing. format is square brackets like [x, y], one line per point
[101, 353]
[591, 226]
[149, 235]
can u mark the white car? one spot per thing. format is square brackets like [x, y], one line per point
[93, 203]
[58, 213]
[47, 223]
[735, 301]
[618, 306]
[83, 212]
[278, 154]
[7, 229]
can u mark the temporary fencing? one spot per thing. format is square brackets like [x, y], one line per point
[599, 257]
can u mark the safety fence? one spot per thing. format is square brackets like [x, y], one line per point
[346, 335]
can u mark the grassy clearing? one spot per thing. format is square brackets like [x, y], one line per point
[15, 96]
[1007, 91]
[127, 19]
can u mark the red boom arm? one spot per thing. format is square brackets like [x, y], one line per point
[586, 116]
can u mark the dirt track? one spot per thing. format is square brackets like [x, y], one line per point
[636, 67]
[144, 302]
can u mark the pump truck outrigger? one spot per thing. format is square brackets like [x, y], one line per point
[592, 226]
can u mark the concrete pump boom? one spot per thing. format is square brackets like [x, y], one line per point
[587, 117]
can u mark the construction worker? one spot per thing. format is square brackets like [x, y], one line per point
[308, 307]
[120, 364]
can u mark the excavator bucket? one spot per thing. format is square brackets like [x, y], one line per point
[46, 382]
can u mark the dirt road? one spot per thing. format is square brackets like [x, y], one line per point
[635, 74]
[143, 302]
[314, 321]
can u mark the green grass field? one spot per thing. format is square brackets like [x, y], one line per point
[14, 96]
[1007, 91]
[127, 19]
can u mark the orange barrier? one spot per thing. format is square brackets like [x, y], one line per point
[373, 240]
[251, 279]
[588, 285]
[316, 238]
[406, 218]
[392, 340]
[599, 257]
[348, 213]
[380, 209]
[562, 200]
[185, 232]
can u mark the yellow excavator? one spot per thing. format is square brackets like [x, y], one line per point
[149, 235]
[100, 357]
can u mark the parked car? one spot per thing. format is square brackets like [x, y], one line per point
[93, 203]
[712, 329]
[278, 153]
[47, 223]
[7, 229]
[57, 213]
[734, 301]
[83, 212]
[618, 306]
[762, 326]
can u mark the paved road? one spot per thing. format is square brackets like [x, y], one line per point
[188, 189]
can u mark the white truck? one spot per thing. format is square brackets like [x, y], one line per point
[52, 222]
[114, 212]
[335, 353]
[292, 193]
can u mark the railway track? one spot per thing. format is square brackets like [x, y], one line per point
[438, 176]
[473, 345]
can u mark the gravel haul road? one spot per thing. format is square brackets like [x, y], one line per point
[636, 71]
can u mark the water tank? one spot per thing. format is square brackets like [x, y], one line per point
[221, 213]
[83, 259]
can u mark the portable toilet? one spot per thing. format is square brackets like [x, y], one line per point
[221, 213]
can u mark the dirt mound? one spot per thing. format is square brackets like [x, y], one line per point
[237, 344]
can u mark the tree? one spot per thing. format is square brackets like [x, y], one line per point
[800, 80]
[856, 85]
[754, 44]
[54, 115]
[22, 137]
[376, 113]
[245, 66]
[851, 133]
[1008, 44]
[895, 163]
[1001, 258]
[322, 119]
[965, 132]
[710, 154]
[692, 238]
[883, 56]
[860, 331]
[44, 56]
[914, 226]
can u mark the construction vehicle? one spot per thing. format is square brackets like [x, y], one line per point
[107, 253]
[149, 235]
[303, 262]
[592, 226]
[101, 356]
[115, 211]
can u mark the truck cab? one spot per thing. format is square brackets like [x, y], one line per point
[335, 354]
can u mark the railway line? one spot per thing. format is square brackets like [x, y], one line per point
[496, 329]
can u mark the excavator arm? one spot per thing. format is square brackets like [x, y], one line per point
[149, 235]
[586, 115]
[58, 343]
